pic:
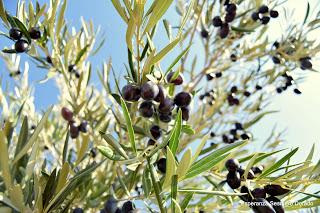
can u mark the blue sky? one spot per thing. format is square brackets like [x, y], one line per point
[299, 114]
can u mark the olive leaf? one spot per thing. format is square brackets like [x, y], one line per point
[33, 137]
[129, 125]
[175, 133]
[3, 13]
[170, 169]
[158, 9]
[279, 163]
[212, 159]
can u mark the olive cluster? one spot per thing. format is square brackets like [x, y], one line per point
[73, 128]
[232, 99]
[211, 76]
[304, 62]
[156, 102]
[288, 83]
[235, 134]
[224, 28]
[234, 178]
[209, 97]
[21, 45]
[262, 14]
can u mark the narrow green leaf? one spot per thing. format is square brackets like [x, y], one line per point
[10, 51]
[186, 17]
[160, 7]
[184, 164]
[109, 153]
[133, 72]
[212, 159]
[260, 157]
[81, 53]
[23, 136]
[176, 206]
[120, 10]
[200, 147]
[174, 192]
[61, 17]
[188, 197]
[114, 143]
[168, 28]
[4, 161]
[194, 171]
[50, 188]
[146, 182]
[241, 29]
[59, 198]
[130, 32]
[279, 163]
[144, 52]
[188, 129]
[257, 118]
[65, 148]
[178, 59]
[129, 124]
[307, 13]
[3, 13]
[23, 28]
[175, 133]
[250, 164]
[311, 153]
[156, 186]
[157, 58]
[33, 137]
[170, 168]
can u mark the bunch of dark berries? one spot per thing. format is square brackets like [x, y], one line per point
[231, 11]
[288, 83]
[263, 14]
[232, 99]
[73, 128]
[211, 76]
[235, 134]
[21, 45]
[155, 101]
[73, 70]
[272, 203]
[209, 97]
[236, 173]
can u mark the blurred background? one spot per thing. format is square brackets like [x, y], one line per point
[299, 115]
